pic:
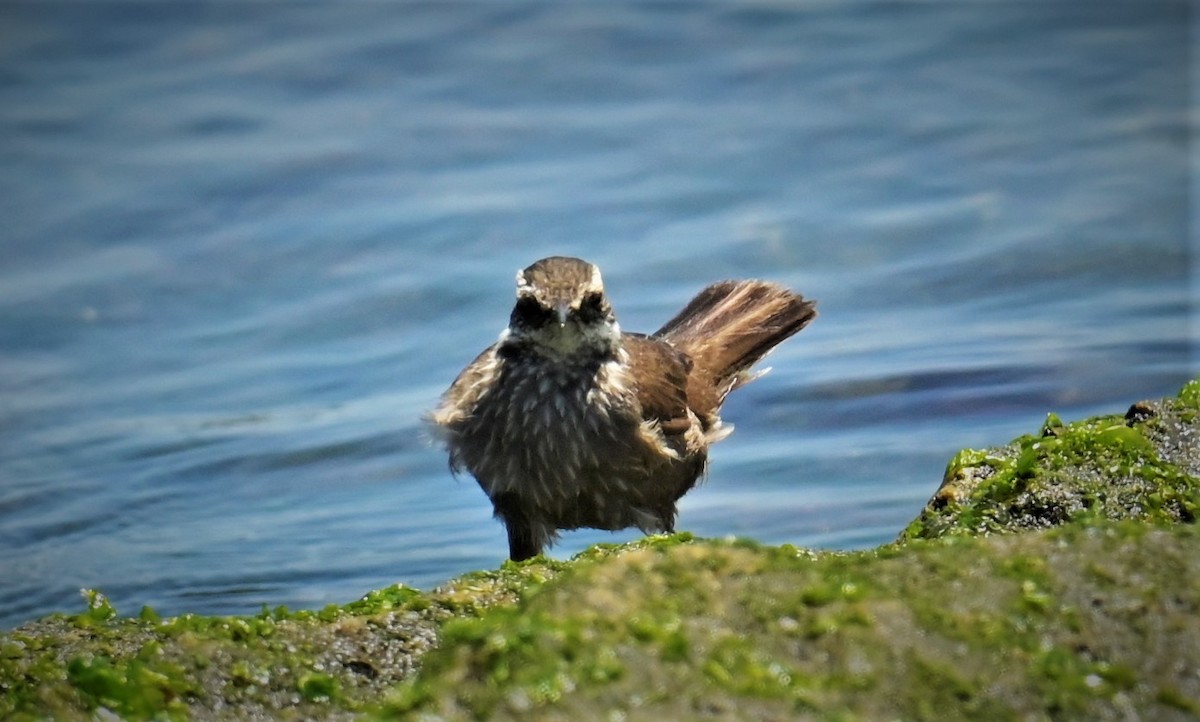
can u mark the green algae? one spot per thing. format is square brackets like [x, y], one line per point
[1137, 466]
[1019, 628]
[136, 688]
[279, 664]
[1093, 613]
[1080, 621]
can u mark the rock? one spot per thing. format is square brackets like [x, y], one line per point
[1143, 465]
[1097, 622]
[277, 665]
[1092, 613]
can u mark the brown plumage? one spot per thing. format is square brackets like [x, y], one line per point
[568, 422]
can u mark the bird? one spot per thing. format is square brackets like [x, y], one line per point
[568, 422]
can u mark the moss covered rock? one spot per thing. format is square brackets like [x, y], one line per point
[1083, 622]
[1143, 465]
[277, 665]
[1094, 613]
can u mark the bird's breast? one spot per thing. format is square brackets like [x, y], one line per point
[548, 428]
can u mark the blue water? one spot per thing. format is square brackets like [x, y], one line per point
[245, 246]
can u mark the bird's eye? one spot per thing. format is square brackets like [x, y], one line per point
[592, 308]
[528, 312]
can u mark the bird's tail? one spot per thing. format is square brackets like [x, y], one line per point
[728, 327]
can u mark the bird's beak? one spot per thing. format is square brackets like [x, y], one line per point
[561, 310]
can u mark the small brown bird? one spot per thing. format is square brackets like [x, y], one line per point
[568, 422]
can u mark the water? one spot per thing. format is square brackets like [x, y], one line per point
[245, 246]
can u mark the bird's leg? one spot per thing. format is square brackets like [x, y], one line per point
[521, 544]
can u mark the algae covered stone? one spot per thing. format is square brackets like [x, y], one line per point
[1143, 465]
[328, 664]
[1097, 622]
[1093, 613]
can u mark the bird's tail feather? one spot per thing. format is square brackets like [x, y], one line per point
[728, 327]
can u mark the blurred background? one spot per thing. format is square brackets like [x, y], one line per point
[245, 246]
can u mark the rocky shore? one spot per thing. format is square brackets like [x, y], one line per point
[1057, 577]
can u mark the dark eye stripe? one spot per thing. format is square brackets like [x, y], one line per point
[593, 308]
[528, 312]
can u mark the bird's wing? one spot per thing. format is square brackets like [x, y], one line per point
[458, 402]
[660, 373]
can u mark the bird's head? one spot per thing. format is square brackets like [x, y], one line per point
[562, 310]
